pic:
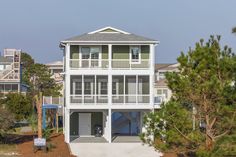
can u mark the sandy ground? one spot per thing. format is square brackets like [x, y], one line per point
[25, 149]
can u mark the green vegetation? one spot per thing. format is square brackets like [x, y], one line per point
[15, 106]
[6, 121]
[19, 105]
[38, 77]
[201, 116]
[234, 30]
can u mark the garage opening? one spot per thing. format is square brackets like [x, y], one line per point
[126, 126]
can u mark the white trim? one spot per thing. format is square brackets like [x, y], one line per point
[109, 27]
[107, 42]
[139, 55]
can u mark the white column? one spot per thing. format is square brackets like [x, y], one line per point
[109, 90]
[110, 55]
[110, 106]
[152, 57]
[151, 89]
[67, 73]
[67, 54]
[67, 125]
[67, 94]
[136, 97]
[124, 90]
[151, 76]
[95, 89]
[83, 89]
[109, 126]
[106, 125]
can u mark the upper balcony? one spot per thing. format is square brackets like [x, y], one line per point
[97, 57]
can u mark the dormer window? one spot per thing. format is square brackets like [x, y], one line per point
[135, 54]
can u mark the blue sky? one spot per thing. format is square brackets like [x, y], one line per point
[37, 27]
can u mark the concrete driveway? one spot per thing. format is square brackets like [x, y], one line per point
[113, 150]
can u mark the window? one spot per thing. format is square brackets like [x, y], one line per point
[85, 51]
[163, 92]
[135, 53]
[161, 75]
[90, 56]
[8, 87]
[78, 88]
[15, 87]
[103, 88]
[87, 88]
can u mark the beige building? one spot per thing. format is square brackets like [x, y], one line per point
[10, 77]
[161, 89]
[56, 70]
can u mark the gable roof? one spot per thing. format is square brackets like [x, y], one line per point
[109, 35]
[60, 63]
[167, 66]
[109, 30]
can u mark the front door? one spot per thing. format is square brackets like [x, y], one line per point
[84, 124]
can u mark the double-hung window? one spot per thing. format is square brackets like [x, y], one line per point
[135, 54]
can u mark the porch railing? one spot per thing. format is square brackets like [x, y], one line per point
[103, 99]
[159, 99]
[104, 64]
[53, 100]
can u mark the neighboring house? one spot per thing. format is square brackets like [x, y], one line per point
[10, 71]
[56, 69]
[109, 80]
[161, 89]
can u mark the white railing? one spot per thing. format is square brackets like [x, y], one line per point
[11, 75]
[89, 99]
[104, 64]
[53, 100]
[128, 64]
[9, 53]
[6, 71]
[159, 99]
[103, 99]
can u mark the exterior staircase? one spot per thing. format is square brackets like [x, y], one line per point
[124, 120]
[12, 72]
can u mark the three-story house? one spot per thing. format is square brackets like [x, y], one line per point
[109, 84]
